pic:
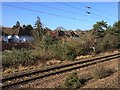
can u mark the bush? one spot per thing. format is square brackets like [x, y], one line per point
[48, 41]
[108, 42]
[85, 49]
[65, 52]
[71, 54]
[72, 81]
[43, 54]
[100, 72]
[15, 57]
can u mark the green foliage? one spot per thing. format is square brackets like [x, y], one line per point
[43, 54]
[47, 47]
[99, 28]
[116, 25]
[15, 57]
[108, 39]
[108, 42]
[72, 81]
[27, 30]
[85, 48]
[65, 52]
[111, 41]
[99, 34]
[100, 25]
[29, 27]
[39, 28]
[115, 30]
[49, 42]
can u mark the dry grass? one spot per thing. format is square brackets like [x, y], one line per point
[83, 56]
[20, 69]
[58, 79]
[100, 71]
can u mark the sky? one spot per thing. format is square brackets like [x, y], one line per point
[70, 15]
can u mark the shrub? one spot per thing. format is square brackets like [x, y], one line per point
[71, 54]
[64, 52]
[108, 42]
[100, 72]
[72, 81]
[85, 49]
[43, 54]
[15, 57]
[48, 41]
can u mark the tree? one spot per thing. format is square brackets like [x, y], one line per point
[38, 26]
[101, 25]
[29, 27]
[116, 25]
[24, 26]
[17, 24]
[45, 30]
[99, 29]
[114, 30]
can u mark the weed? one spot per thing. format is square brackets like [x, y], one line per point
[72, 81]
[100, 71]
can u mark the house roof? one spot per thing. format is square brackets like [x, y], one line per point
[52, 33]
[74, 34]
[10, 31]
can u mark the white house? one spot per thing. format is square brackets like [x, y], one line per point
[15, 35]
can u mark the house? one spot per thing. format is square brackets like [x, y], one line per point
[15, 35]
[13, 38]
[63, 35]
[74, 34]
[52, 33]
[21, 34]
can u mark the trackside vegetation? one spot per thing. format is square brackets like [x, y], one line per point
[46, 47]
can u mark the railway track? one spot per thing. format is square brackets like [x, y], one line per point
[17, 79]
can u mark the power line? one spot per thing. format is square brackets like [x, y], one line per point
[71, 6]
[66, 11]
[49, 13]
[97, 10]
[90, 13]
[96, 16]
[82, 10]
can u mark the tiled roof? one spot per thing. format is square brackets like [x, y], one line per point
[10, 31]
[52, 33]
